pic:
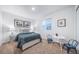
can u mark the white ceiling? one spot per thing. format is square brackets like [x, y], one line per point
[40, 10]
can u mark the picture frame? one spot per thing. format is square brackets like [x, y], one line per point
[20, 23]
[26, 24]
[61, 22]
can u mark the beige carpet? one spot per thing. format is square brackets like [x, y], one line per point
[40, 48]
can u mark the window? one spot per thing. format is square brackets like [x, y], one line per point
[47, 24]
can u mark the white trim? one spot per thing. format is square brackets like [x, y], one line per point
[30, 44]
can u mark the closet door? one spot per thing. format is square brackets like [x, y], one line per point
[78, 24]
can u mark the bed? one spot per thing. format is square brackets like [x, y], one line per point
[26, 40]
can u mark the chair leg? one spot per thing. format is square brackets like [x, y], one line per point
[68, 49]
[75, 50]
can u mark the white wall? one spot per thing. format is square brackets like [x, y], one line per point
[69, 30]
[0, 28]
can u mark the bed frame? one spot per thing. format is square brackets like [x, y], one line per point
[30, 44]
[26, 40]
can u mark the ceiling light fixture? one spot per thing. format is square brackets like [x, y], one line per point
[33, 9]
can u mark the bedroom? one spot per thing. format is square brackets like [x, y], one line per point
[15, 19]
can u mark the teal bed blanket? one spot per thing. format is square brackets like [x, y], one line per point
[23, 38]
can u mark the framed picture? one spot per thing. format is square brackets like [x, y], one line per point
[26, 24]
[20, 23]
[61, 23]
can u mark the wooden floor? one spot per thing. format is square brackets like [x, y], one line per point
[45, 48]
[40, 48]
[9, 48]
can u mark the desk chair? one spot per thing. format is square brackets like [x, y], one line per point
[72, 44]
[49, 38]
